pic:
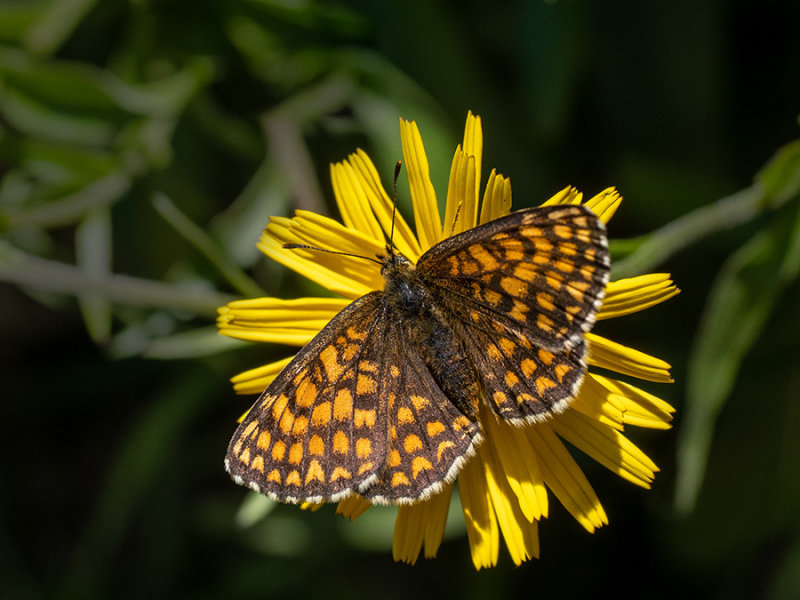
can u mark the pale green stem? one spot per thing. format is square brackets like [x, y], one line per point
[30, 271]
[725, 213]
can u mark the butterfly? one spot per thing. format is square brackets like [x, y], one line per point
[384, 401]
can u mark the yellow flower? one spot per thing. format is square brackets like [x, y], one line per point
[503, 488]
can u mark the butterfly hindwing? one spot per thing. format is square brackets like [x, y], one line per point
[540, 271]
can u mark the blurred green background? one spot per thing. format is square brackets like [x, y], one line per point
[143, 144]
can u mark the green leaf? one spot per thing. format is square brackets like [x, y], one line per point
[741, 301]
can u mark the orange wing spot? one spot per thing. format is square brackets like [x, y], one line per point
[511, 379]
[258, 463]
[443, 447]
[584, 235]
[590, 254]
[355, 334]
[545, 300]
[553, 281]
[468, 267]
[286, 422]
[363, 417]
[455, 266]
[563, 231]
[567, 266]
[350, 352]
[279, 450]
[394, 459]
[274, 476]
[300, 426]
[267, 401]
[363, 447]
[434, 428]
[341, 443]
[293, 478]
[368, 365]
[300, 376]
[279, 406]
[545, 356]
[330, 360]
[405, 415]
[561, 371]
[251, 427]
[532, 232]
[528, 367]
[514, 286]
[420, 463]
[263, 440]
[367, 466]
[460, 423]
[544, 322]
[419, 402]
[321, 415]
[394, 370]
[237, 447]
[525, 398]
[412, 443]
[296, 453]
[543, 383]
[366, 385]
[580, 221]
[494, 352]
[486, 260]
[475, 316]
[491, 297]
[316, 447]
[507, 346]
[343, 405]
[568, 248]
[315, 472]
[340, 473]
[499, 398]
[392, 432]
[245, 456]
[399, 479]
[576, 289]
[542, 245]
[519, 311]
[306, 393]
[587, 273]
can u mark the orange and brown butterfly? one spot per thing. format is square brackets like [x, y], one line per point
[384, 401]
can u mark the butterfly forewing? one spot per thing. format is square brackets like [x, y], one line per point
[319, 431]
[540, 271]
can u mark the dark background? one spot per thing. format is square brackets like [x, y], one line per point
[114, 423]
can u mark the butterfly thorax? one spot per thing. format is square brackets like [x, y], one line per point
[426, 325]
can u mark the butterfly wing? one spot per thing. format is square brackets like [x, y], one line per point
[355, 411]
[522, 290]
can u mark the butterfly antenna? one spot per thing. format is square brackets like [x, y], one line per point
[455, 218]
[397, 168]
[306, 247]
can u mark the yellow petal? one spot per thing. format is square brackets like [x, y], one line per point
[563, 476]
[607, 446]
[352, 201]
[473, 144]
[521, 536]
[383, 207]
[641, 408]
[479, 516]
[417, 522]
[519, 465]
[423, 196]
[293, 322]
[599, 403]
[343, 275]
[256, 381]
[610, 355]
[569, 195]
[462, 195]
[496, 198]
[438, 507]
[631, 295]
[605, 204]
[353, 507]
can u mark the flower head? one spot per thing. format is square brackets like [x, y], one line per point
[504, 487]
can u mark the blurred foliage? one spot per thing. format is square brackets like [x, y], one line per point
[143, 146]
